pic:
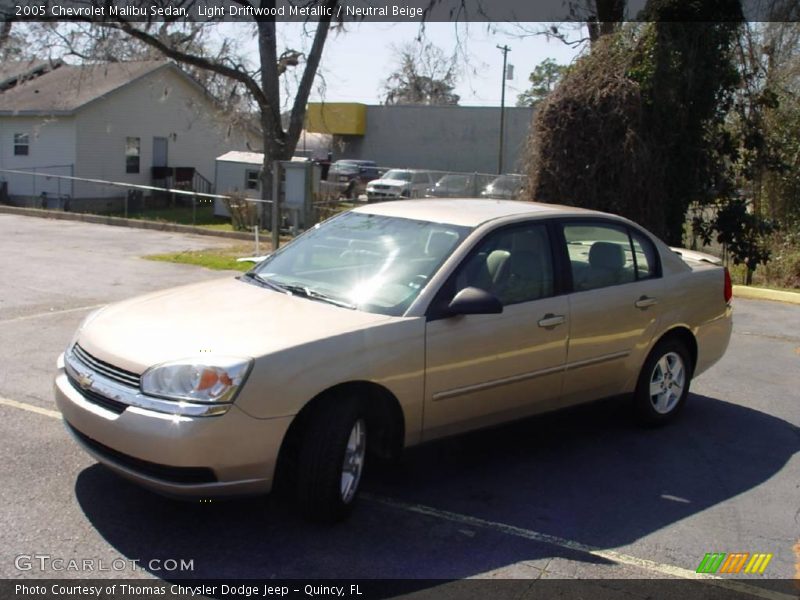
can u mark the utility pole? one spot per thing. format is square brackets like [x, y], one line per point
[505, 50]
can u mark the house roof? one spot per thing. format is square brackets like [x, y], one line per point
[13, 72]
[251, 158]
[66, 88]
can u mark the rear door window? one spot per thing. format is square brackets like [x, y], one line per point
[600, 255]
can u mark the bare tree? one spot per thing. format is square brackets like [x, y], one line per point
[423, 75]
[5, 33]
[12, 46]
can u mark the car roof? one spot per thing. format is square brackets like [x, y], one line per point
[469, 212]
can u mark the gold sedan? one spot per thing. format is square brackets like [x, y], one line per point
[381, 328]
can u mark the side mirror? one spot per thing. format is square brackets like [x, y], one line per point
[474, 301]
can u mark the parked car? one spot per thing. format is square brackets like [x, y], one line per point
[454, 185]
[465, 312]
[399, 183]
[504, 187]
[352, 175]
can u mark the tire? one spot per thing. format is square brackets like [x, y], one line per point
[663, 384]
[331, 460]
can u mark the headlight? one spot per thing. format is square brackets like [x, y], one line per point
[196, 380]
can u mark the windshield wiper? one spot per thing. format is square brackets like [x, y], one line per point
[295, 289]
[303, 291]
[258, 280]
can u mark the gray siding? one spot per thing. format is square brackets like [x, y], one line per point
[445, 138]
[51, 150]
[232, 177]
[161, 104]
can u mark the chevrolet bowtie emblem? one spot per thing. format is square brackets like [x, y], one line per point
[85, 381]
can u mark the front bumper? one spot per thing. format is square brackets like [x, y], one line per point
[229, 455]
[387, 194]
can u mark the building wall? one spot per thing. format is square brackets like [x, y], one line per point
[445, 138]
[51, 150]
[161, 104]
[231, 177]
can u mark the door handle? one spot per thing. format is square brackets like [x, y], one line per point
[551, 320]
[645, 302]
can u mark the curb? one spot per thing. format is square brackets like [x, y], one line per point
[122, 222]
[754, 293]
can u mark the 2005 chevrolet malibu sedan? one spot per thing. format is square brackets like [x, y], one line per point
[383, 327]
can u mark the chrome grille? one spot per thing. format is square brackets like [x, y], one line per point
[105, 369]
[99, 399]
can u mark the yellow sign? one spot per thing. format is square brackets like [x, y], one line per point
[338, 118]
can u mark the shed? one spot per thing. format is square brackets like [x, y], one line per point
[238, 171]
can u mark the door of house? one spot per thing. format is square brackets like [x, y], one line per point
[159, 152]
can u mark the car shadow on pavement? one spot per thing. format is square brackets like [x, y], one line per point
[586, 474]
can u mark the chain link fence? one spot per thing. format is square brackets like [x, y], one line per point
[323, 193]
[364, 181]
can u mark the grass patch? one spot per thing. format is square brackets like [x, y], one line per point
[182, 215]
[219, 259]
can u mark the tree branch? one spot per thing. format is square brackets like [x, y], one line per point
[191, 59]
[5, 33]
[297, 115]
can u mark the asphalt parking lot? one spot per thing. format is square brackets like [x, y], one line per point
[580, 494]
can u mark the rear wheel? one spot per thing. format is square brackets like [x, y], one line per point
[663, 384]
[331, 460]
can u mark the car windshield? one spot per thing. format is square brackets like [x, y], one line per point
[367, 262]
[399, 175]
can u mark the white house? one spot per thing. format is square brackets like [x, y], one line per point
[132, 122]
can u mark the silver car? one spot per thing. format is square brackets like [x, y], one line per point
[396, 184]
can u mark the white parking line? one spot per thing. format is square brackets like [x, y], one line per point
[51, 312]
[30, 408]
[618, 557]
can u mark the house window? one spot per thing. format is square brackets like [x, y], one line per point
[21, 144]
[252, 180]
[132, 154]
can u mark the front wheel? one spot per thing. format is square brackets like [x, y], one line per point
[331, 460]
[663, 384]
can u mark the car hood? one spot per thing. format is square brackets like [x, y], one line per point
[225, 317]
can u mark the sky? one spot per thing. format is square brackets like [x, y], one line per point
[356, 63]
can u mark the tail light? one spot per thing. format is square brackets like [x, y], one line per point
[728, 286]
